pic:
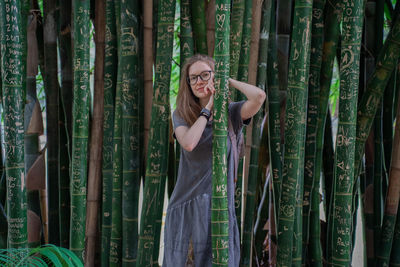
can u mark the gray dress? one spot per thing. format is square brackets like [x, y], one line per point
[189, 210]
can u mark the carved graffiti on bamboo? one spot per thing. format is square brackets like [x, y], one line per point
[186, 50]
[129, 42]
[221, 190]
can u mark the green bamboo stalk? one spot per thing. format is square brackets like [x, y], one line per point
[235, 42]
[392, 201]
[219, 201]
[65, 119]
[295, 127]
[3, 215]
[129, 61]
[110, 74]
[243, 64]
[304, 32]
[312, 121]
[345, 139]
[242, 74]
[80, 131]
[253, 178]
[333, 11]
[52, 89]
[199, 26]
[141, 89]
[274, 131]
[115, 254]
[371, 99]
[379, 163]
[186, 34]
[13, 103]
[274, 115]
[157, 161]
[3, 187]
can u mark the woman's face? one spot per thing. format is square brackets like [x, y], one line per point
[196, 72]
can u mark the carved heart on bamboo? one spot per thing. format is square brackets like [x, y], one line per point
[220, 19]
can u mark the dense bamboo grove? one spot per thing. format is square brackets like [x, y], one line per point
[87, 148]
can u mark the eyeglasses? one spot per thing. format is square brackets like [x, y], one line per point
[204, 76]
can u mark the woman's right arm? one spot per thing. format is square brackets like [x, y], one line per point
[187, 137]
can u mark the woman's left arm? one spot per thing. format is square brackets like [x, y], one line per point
[255, 98]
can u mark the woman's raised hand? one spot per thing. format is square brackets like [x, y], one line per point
[209, 89]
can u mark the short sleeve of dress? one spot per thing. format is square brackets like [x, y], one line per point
[177, 120]
[235, 117]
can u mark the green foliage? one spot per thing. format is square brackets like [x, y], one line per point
[40, 256]
[176, 59]
[334, 89]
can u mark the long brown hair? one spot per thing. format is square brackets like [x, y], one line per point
[187, 104]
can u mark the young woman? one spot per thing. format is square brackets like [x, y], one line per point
[189, 210]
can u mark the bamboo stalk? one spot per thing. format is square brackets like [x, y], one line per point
[13, 104]
[148, 69]
[186, 34]
[199, 26]
[274, 132]
[157, 165]
[33, 126]
[65, 119]
[242, 75]
[333, 11]
[312, 122]
[110, 74]
[52, 89]
[370, 101]
[81, 35]
[3, 186]
[219, 201]
[253, 180]
[283, 29]
[238, 9]
[345, 139]
[252, 76]
[210, 20]
[96, 137]
[392, 201]
[116, 220]
[129, 66]
[290, 222]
